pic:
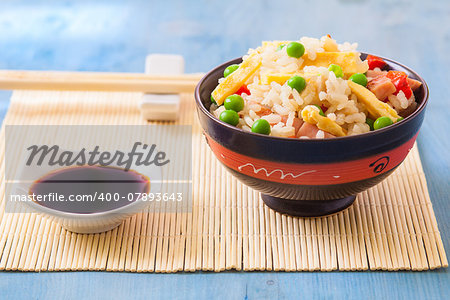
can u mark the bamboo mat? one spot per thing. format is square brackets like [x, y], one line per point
[391, 226]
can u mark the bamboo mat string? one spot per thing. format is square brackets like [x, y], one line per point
[226, 226]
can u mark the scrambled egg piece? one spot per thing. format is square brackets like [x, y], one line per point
[311, 115]
[235, 80]
[350, 62]
[375, 107]
[281, 78]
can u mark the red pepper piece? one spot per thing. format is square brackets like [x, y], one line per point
[400, 80]
[375, 62]
[243, 89]
[324, 108]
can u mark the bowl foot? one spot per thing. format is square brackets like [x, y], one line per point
[307, 208]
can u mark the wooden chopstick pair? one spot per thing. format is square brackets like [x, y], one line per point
[97, 81]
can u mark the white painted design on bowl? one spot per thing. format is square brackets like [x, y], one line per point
[268, 174]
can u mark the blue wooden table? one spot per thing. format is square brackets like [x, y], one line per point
[116, 36]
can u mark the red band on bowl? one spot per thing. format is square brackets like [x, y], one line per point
[312, 174]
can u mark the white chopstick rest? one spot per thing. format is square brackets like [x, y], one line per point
[162, 106]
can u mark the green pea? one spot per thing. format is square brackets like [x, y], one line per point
[297, 82]
[281, 46]
[229, 116]
[230, 69]
[213, 101]
[337, 70]
[369, 122]
[320, 110]
[261, 126]
[234, 102]
[359, 78]
[382, 122]
[400, 119]
[295, 49]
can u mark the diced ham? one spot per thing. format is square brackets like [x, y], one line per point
[264, 111]
[381, 86]
[310, 131]
[414, 84]
[373, 73]
[297, 123]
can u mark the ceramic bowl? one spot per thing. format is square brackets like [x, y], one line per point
[312, 177]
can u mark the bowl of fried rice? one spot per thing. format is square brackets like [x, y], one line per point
[311, 123]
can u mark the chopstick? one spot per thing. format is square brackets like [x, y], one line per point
[97, 81]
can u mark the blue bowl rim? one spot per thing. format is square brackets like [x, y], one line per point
[357, 137]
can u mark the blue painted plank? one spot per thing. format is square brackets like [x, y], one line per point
[116, 36]
[229, 285]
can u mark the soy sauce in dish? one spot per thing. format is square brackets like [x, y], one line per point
[104, 188]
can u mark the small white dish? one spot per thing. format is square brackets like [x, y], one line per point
[89, 222]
